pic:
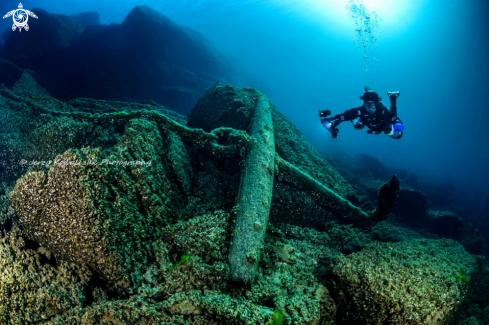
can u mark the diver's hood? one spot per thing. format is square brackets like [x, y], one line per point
[370, 96]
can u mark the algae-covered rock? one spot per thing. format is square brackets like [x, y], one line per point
[30, 136]
[388, 194]
[184, 308]
[340, 238]
[206, 236]
[412, 282]
[476, 306]
[6, 212]
[390, 231]
[230, 106]
[134, 311]
[33, 290]
[197, 283]
[128, 243]
[288, 281]
[105, 208]
[14, 143]
[190, 255]
[193, 287]
[53, 136]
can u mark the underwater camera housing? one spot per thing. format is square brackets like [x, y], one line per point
[324, 114]
[324, 117]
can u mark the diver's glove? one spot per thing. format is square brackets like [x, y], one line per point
[398, 127]
[393, 94]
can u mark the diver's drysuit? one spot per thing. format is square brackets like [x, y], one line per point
[383, 120]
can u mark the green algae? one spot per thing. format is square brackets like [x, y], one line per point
[462, 276]
[278, 318]
[183, 261]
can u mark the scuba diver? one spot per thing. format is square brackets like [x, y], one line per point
[372, 114]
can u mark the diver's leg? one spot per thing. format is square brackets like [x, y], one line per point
[393, 97]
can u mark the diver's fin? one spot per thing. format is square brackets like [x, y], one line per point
[368, 89]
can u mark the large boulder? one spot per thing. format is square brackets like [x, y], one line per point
[472, 239]
[407, 282]
[442, 194]
[147, 57]
[230, 106]
[104, 208]
[445, 223]
[411, 206]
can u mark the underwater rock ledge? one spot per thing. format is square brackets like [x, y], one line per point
[166, 229]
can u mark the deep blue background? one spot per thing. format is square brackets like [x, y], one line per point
[435, 52]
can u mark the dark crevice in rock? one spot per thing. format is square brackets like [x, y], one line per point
[30, 244]
[7, 226]
[95, 282]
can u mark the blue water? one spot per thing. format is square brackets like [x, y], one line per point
[435, 52]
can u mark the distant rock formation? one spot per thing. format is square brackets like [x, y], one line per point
[147, 57]
[411, 207]
[423, 206]
[48, 35]
[445, 223]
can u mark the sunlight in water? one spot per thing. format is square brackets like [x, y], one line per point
[367, 24]
[395, 14]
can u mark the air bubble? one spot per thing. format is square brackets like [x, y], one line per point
[366, 27]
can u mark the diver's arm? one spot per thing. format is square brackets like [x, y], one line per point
[346, 116]
[331, 123]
